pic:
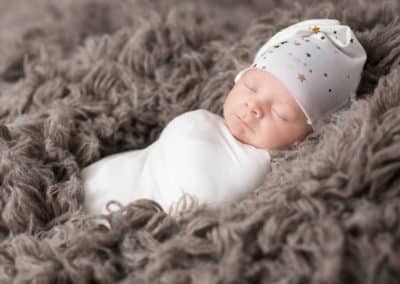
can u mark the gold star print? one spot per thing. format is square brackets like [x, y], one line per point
[301, 77]
[315, 29]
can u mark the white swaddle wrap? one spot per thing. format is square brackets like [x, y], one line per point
[195, 154]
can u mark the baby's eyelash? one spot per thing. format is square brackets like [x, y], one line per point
[251, 89]
[280, 116]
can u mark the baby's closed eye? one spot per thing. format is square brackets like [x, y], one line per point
[250, 87]
[279, 113]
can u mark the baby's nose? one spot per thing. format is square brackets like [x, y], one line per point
[254, 107]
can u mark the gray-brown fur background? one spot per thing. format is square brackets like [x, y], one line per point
[80, 80]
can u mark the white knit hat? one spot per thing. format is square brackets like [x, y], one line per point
[320, 62]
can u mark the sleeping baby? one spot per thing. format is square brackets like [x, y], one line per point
[301, 75]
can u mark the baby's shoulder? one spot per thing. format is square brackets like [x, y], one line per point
[197, 129]
[196, 120]
[198, 115]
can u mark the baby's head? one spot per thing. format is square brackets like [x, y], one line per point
[300, 76]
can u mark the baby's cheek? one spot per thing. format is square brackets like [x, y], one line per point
[227, 105]
[267, 135]
[238, 132]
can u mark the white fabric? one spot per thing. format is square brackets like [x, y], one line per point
[300, 56]
[195, 153]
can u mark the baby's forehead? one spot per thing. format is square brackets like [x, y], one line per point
[259, 75]
[265, 78]
[254, 73]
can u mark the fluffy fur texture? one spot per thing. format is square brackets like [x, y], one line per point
[80, 80]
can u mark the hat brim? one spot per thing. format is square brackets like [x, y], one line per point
[240, 74]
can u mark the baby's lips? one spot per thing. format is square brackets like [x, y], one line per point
[244, 122]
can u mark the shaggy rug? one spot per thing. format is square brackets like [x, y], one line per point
[80, 80]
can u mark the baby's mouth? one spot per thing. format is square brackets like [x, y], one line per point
[242, 121]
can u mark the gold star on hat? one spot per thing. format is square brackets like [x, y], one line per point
[315, 29]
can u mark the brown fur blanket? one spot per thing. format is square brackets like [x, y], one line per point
[80, 80]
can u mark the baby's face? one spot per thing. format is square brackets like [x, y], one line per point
[260, 111]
